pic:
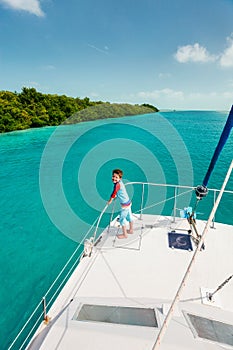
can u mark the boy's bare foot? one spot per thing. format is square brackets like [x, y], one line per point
[130, 231]
[121, 236]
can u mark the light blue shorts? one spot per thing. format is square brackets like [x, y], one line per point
[126, 215]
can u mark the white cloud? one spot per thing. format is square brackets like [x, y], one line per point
[197, 53]
[164, 75]
[31, 6]
[172, 99]
[156, 94]
[32, 84]
[226, 59]
[193, 53]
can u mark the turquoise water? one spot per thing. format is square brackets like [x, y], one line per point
[56, 181]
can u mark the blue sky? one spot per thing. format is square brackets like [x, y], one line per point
[175, 54]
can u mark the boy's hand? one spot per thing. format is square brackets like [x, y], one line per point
[110, 201]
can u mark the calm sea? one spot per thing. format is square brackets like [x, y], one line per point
[56, 181]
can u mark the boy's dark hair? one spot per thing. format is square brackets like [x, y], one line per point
[119, 172]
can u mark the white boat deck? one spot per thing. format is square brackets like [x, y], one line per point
[143, 272]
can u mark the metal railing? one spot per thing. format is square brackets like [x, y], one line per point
[55, 288]
[39, 313]
[178, 191]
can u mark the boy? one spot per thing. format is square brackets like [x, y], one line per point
[120, 192]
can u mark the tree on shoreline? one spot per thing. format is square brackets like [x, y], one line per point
[32, 109]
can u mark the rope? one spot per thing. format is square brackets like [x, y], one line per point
[75, 251]
[52, 285]
[183, 282]
[64, 279]
[99, 218]
[25, 325]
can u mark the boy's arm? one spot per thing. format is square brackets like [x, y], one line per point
[114, 192]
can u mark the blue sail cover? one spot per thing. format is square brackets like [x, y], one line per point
[225, 133]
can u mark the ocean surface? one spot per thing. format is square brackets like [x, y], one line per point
[55, 181]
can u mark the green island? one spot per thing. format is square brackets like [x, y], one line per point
[33, 109]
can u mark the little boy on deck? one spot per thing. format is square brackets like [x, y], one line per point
[120, 192]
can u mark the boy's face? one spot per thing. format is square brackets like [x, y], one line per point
[115, 178]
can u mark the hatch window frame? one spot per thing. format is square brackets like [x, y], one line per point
[213, 323]
[124, 308]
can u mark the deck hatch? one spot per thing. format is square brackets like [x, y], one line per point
[212, 330]
[118, 314]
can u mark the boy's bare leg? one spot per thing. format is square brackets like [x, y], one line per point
[124, 233]
[130, 227]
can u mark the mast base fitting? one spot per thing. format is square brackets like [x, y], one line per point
[201, 191]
